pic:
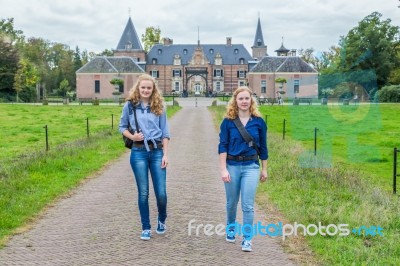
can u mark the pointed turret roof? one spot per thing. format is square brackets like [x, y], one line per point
[129, 39]
[259, 39]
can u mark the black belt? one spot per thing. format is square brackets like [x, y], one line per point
[140, 144]
[243, 158]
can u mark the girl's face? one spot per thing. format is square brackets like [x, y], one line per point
[243, 100]
[145, 89]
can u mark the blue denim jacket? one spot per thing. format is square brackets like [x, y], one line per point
[154, 127]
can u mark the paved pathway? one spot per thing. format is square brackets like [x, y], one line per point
[99, 224]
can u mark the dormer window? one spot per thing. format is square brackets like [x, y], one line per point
[211, 51]
[128, 45]
[154, 61]
[159, 51]
[241, 61]
[185, 51]
[236, 51]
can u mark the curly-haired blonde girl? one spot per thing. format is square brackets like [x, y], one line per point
[232, 108]
[156, 100]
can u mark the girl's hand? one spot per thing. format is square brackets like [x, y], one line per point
[225, 176]
[164, 161]
[263, 175]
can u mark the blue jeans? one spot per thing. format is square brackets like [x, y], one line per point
[141, 162]
[244, 181]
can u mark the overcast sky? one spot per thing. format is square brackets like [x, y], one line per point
[96, 25]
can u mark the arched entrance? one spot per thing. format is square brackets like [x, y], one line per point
[196, 86]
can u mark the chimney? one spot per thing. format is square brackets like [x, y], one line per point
[168, 41]
[229, 41]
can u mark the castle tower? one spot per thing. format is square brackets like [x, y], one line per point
[259, 49]
[129, 44]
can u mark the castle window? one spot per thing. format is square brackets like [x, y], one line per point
[296, 86]
[236, 51]
[97, 86]
[263, 86]
[218, 73]
[185, 51]
[241, 61]
[154, 73]
[241, 74]
[176, 73]
[159, 51]
[218, 86]
[154, 61]
[211, 51]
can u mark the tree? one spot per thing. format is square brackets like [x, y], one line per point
[8, 66]
[64, 87]
[7, 30]
[106, 52]
[372, 46]
[25, 81]
[151, 37]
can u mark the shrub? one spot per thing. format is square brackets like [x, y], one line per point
[389, 94]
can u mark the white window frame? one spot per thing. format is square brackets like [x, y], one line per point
[263, 86]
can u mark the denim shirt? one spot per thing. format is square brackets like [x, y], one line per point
[232, 142]
[154, 127]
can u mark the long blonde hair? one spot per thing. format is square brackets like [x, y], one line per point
[232, 109]
[156, 100]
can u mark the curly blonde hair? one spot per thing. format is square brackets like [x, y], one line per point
[156, 100]
[232, 109]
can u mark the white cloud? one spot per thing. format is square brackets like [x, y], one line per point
[96, 25]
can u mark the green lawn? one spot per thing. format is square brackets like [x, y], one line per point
[30, 177]
[361, 137]
[348, 182]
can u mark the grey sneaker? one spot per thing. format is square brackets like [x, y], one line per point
[146, 234]
[246, 245]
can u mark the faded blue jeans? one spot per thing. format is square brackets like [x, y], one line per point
[141, 162]
[244, 181]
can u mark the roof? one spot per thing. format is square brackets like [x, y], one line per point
[129, 39]
[282, 49]
[288, 64]
[231, 54]
[258, 39]
[111, 64]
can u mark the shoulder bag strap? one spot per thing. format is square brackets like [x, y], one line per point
[246, 136]
[136, 122]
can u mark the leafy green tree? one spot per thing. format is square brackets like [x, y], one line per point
[25, 81]
[151, 37]
[106, 52]
[64, 87]
[7, 29]
[8, 66]
[371, 46]
[77, 59]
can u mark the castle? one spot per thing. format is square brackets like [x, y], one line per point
[197, 69]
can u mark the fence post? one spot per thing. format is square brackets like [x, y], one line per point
[284, 128]
[87, 126]
[315, 141]
[266, 119]
[47, 138]
[112, 121]
[394, 169]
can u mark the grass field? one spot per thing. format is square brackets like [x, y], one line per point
[348, 182]
[30, 177]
